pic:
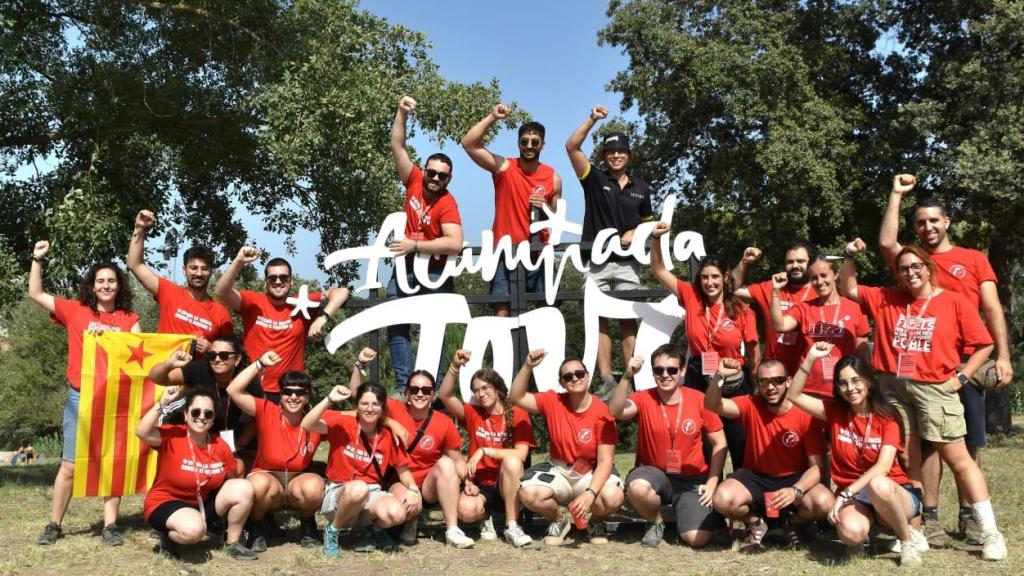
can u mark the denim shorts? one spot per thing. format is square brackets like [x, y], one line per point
[70, 425]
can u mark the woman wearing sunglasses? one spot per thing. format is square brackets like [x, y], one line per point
[865, 440]
[500, 439]
[280, 475]
[718, 325]
[195, 485]
[363, 452]
[920, 330]
[579, 472]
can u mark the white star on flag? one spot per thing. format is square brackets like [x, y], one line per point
[302, 303]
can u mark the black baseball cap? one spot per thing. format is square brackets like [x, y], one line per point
[615, 141]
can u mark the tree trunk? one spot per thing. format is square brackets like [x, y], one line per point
[1002, 254]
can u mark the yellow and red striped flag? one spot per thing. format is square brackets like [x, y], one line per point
[110, 460]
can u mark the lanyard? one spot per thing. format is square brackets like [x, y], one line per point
[923, 308]
[835, 318]
[301, 439]
[372, 450]
[864, 441]
[492, 437]
[195, 465]
[718, 323]
[673, 431]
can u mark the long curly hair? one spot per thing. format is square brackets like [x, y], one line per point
[489, 376]
[123, 299]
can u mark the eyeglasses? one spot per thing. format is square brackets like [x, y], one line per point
[855, 382]
[299, 392]
[279, 278]
[414, 390]
[483, 388]
[573, 375]
[195, 413]
[530, 142]
[369, 405]
[915, 267]
[442, 176]
[223, 355]
[773, 381]
[671, 370]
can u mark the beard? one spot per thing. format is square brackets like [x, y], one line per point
[802, 280]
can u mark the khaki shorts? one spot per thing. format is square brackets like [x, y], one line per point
[939, 412]
[616, 275]
[894, 390]
[330, 503]
[563, 480]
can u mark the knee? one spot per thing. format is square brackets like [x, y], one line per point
[241, 489]
[640, 492]
[190, 532]
[470, 509]
[822, 501]
[512, 467]
[695, 538]
[881, 488]
[725, 500]
[445, 468]
[611, 500]
[310, 490]
[66, 470]
[391, 514]
[354, 491]
[852, 531]
[530, 496]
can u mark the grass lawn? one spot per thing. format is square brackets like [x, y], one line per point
[25, 504]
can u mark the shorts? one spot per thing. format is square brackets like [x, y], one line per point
[70, 425]
[938, 410]
[973, 399]
[616, 275]
[915, 497]
[330, 504]
[492, 498]
[894, 391]
[283, 477]
[681, 493]
[757, 484]
[158, 519]
[501, 281]
[563, 480]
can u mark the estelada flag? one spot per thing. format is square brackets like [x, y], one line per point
[110, 460]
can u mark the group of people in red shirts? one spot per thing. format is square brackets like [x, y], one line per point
[237, 430]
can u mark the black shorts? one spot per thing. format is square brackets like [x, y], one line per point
[757, 484]
[492, 498]
[681, 493]
[158, 519]
[973, 400]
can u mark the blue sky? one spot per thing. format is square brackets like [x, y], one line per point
[546, 58]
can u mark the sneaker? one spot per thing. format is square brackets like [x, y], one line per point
[237, 551]
[909, 555]
[606, 388]
[559, 529]
[487, 531]
[310, 533]
[408, 535]
[967, 528]
[654, 534]
[793, 537]
[331, 548]
[598, 533]
[516, 537]
[50, 534]
[155, 534]
[993, 546]
[366, 542]
[112, 535]
[934, 534]
[167, 547]
[256, 539]
[752, 540]
[920, 540]
[384, 540]
[454, 536]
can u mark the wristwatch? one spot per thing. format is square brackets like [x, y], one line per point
[798, 492]
[963, 378]
[846, 494]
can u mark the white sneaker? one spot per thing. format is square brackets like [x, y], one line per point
[408, 535]
[919, 539]
[993, 546]
[454, 536]
[487, 531]
[894, 546]
[909, 555]
[516, 537]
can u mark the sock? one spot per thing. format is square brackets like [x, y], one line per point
[985, 516]
[511, 524]
[930, 513]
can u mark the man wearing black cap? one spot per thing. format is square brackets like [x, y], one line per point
[613, 198]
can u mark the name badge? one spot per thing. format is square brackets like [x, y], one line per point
[708, 362]
[674, 462]
[228, 436]
[828, 368]
[788, 338]
[582, 466]
[906, 366]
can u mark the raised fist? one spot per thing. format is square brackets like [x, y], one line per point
[856, 247]
[751, 255]
[367, 355]
[144, 220]
[270, 358]
[634, 365]
[779, 281]
[461, 357]
[179, 359]
[535, 357]
[903, 183]
[248, 254]
[660, 229]
[406, 104]
[501, 111]
[598, 112]
[729, 367]
[41, 249]
[821, 350]
[340, 393]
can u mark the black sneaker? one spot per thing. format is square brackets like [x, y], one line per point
[237, 551]
[167, 547]
[310, 533]
[257, 537]
[155, 534]
[50, 534]
[112, 535]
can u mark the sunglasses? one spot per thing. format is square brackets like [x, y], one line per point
[530, 142]
[414, 390]
[671, 370]
[442, 176]
[299, 392]
[574, 375]
[279, 278]
[773, 381]
[223, 356]
[195, 413]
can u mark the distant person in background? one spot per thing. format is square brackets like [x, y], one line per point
[104, 304]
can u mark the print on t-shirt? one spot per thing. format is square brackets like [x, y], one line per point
[913, 334]
[188, 317]
[204, 468]
[360, 455]
[264, 322]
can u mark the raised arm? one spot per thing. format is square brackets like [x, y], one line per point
[518, 394]
[447, 391]
[336, 298]
[35, 277]
[311, 422]
[996, 321]
[813, 406]
[225, 288]
[727, 368]
[663, 274]
[473, 141]
[888, 233]
[146, 429]
[237, 389]
[780, 322]
[365, 356]
[168, 373]
[848, 271]
[574, 145]
[144, 220]
[739, 274]
[403, 163]
[619, 404]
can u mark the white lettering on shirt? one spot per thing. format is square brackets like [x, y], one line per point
[189, 318]
[913, 334]
[264, 322]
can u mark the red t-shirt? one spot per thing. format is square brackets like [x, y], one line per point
[851, 455]
[574, 435]
[439, 436]
[841, 324]
[488, 431]
[512, 189]
[701, 324]
[423, 219]
[181, 466]
[282, 446]
[935, 337]
[349, 458]
[655, 429]
[78, 319]
[786, 347]
[963, 271]
[778, 444]
[272, 327]
[180, 313]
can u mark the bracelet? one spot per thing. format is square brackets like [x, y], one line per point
[591, 490]
[360, 364]
[40, 259]
[848, 253]
[804, 370]
[414, 489]
[259, 365]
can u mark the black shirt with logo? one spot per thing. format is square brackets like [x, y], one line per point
[607, 205]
